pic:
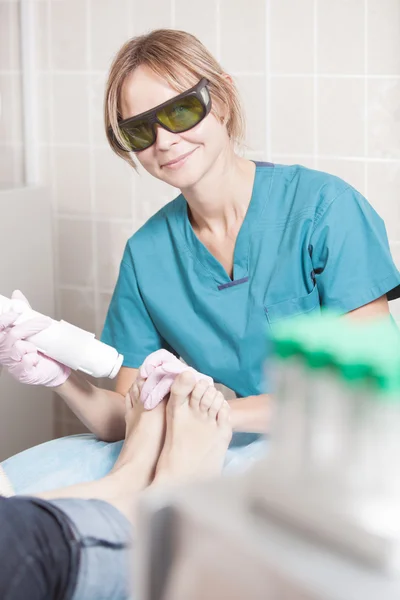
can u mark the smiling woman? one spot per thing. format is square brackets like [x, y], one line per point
[243, 246]
[173, 62]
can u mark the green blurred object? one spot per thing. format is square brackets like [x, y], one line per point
[360, 353]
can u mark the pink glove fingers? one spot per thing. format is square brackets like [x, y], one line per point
[26, 370]
[20, 348]
[155, 395]
[33, 370]
[159, 371]
[154, 369]
[7, 319]
[150, 383]
[154, 360]
[21, 357]
[28, 328]
[174, 367]
[30, 360]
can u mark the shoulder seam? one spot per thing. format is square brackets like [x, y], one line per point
[125, 262]
[320, 214]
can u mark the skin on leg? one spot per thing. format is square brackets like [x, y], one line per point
[135, 467]
[198, 435]
[145, 432]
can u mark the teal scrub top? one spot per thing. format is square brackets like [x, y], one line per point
[308, 240]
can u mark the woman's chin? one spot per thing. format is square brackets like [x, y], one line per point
[185, 178]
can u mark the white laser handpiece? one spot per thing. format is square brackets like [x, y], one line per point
[68, 344]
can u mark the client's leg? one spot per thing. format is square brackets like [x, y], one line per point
[135, 467]
[95, 534]
[35, 548]
[197, 437]
[60, 463]
[74, 547]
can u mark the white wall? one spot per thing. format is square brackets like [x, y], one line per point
[26, 250]
[320, 80]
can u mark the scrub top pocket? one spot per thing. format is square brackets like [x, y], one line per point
[294, 307]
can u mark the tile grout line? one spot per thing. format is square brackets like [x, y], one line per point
[218, 30]
[268, 81]
[130, 18]
[14, 94]
[370, 159]
[51, 164]
[96, 306]
[56, 402]
[330, 75]
[85, 217]
[72, 287]
[10, 72]
[75, 73]
[366, 149]
[315, 85]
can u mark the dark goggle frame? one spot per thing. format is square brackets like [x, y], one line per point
[200, 91]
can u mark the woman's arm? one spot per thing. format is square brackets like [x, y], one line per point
[102, 411]
[251, 414]
[377, 308]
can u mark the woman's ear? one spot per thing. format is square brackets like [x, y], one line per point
[221, 110]
[227, 77]
[224, 113]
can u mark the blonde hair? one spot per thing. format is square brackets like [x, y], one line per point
[182, 60]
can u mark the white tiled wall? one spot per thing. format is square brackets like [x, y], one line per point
[11, 157]
[320, 82]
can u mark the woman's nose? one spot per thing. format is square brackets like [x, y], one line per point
[165, 139]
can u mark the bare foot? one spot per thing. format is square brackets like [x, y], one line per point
[198, 431]
[144, 439]
[198, 435]
[136, 464]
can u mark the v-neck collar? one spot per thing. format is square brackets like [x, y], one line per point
[242, 245]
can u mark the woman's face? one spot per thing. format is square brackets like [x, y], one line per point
[197, 148]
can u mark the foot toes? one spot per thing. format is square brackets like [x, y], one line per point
[197, 393]
[182, 387]
[224, 415]
[216, 405]
[208, 398]
[140, 383]
[134, 394]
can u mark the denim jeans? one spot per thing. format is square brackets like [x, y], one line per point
[35, 551]
[68, 549]
[102, 545]
[95, 550]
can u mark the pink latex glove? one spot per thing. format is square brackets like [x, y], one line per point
[159, 371]
[21, 357]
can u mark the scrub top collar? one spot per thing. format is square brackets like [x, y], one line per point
[242, 247]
